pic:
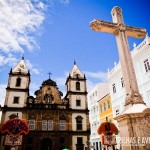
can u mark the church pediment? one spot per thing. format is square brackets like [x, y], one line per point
[48, 93]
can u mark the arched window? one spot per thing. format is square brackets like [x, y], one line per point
[18, 81]
[78, 86]
[79, 122]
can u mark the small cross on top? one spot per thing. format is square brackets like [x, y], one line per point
[49, 74]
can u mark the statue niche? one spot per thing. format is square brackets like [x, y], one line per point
[48, 97]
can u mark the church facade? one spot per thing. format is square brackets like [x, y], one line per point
[55, 123]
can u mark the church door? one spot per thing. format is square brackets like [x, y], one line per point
[46, 144]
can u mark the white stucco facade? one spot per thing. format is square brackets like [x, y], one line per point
[20, 95]
[141, 62]
[82, 98]
[72, 86]
[99, 91]
[24, 82]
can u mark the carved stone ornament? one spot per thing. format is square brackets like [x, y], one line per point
[135, 98]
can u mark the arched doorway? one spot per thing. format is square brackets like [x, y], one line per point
[46, 144]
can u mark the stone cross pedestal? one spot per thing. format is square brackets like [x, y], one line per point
[135, 112]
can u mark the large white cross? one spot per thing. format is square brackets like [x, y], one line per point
[121, 31]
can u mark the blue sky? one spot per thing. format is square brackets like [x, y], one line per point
[52, 33]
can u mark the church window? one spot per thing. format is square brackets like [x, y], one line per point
[16, 100]
[18, 81]
[114, 88]
[146, 65]
[104, 107]
[62, 124]
[78, 102]
[78, 86]
[122, 82]
[108, 104]
[79, 123]
[31, 124]
[47, 124]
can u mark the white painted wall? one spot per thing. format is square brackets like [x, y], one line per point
[11, 96]
[78, 97]
[24, 82]
[98, 92]
[73, 86]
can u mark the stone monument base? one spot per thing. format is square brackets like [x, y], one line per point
[134, 127]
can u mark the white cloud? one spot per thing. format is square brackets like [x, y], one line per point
[61, 80]
[95, 77]
[33, 87]
[31, 67]
[18, 19]
[101, 76]
[9, 60]
[90, 85]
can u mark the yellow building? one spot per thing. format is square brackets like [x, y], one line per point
[105, 109]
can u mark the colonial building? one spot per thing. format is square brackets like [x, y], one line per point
[99, 91]
[55, 122]
[105, 109]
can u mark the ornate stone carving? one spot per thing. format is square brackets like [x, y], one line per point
[135, 98]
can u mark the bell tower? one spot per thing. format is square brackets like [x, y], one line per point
[77, 96]
[76, 89]
[17, 90]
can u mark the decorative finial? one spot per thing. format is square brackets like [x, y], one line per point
[74, 62]
[49, 74]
